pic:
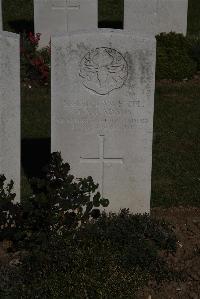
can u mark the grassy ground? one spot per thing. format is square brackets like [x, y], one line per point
[194, 17]
[17, 15]
[176, 175]
[176, 159]
[35, 112]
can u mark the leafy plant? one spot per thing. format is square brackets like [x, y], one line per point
[8, 210]
[59, 203]
[173, 57]
[194, 50]
[35, 64]
[109, 258]
[136, 239]
[70, 249]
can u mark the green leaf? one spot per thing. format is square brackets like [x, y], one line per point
[96, 200]
[104, 202]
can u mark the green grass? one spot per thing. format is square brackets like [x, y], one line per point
[35, 112]
[111, 13]
[17, 14]
[194, 17]
[176, 148]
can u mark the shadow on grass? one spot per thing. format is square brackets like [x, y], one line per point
[35, 156]
[20, 26]
[111, 24]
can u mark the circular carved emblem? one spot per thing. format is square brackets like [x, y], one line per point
[103, 70]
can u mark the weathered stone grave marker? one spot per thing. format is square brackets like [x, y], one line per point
[155, 16]
[102, 111]
[59, 16]
[140, 16]
[10, 108]
[68, 8]
[102, 161]
[172, 16]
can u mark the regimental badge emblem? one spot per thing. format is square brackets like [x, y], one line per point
[103, 70]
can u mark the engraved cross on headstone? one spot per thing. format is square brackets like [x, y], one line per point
[68, 6]
[102, 161]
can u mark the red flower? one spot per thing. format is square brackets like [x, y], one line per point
[34, 39]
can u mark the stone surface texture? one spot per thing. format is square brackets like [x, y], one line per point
[102, 112]
[59, 16]
[155, 16]
[140, 16]
[10, 108]
[172, 16]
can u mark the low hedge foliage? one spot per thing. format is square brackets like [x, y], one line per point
[177, 56]
[59, 202]
[67, 247]
[111, 257]
[194, 50]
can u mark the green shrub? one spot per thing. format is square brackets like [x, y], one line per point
[194, 45]
[174, 60]
[136, 239]
[35, 64]
[59, 203]
[8, 210]
[67, 248]
[109, 258]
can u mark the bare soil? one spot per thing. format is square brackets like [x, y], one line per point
[186, 225]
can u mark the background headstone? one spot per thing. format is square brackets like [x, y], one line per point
[155, 16]
[172, 16]
[140, 16]
[102, 112]
[10, 108]
[58, 16]
[1, 16]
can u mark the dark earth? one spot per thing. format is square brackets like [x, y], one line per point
[186, 225]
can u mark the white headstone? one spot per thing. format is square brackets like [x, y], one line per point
[10, 108]
[58, 16]
[1, 22]
[172, 16]
[102, 112]
[155, 16]
[140, 16]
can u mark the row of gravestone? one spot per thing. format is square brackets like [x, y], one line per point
[143, 16]
[102, 105]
